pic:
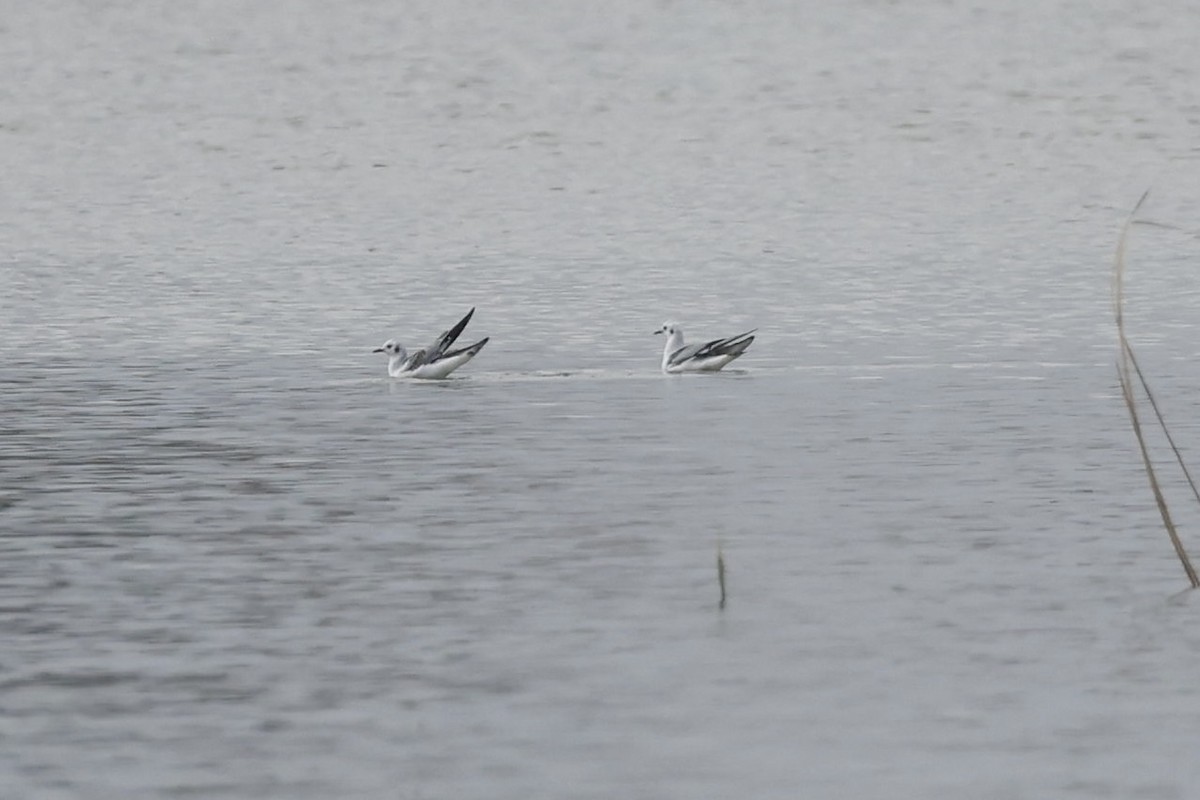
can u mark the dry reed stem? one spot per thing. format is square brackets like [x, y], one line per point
[1162, 423]
[721, 575]
[1126, 366]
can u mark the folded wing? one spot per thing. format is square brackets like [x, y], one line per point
[733, 346]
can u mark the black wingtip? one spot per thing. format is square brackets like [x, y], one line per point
[742, 344]
[471, 348]
[449, 336]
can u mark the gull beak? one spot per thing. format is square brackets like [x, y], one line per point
[659, 330]
[378, 350]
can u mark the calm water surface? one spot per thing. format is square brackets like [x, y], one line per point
[237, 561]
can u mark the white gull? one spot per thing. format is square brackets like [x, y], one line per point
[708, 357]
[435, 361]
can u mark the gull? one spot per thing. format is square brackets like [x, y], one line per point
[435, 361]
[707, 357]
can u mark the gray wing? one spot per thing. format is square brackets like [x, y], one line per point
[416, 359]
[685, 352]
[438, 348]
[733, 346]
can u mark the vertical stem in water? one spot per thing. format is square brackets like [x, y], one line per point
[721, 574]
[1126, 366]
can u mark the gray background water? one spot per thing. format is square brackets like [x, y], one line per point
[236, 561]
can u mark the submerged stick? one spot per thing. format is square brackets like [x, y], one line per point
[1126, 366]
[721, 575]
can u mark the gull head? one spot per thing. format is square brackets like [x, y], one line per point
[669, 328]
[392, 348]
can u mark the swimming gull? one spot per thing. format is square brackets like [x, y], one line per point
[435, 361]
[707, 357]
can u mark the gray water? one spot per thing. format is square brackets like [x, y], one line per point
[238, 561]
